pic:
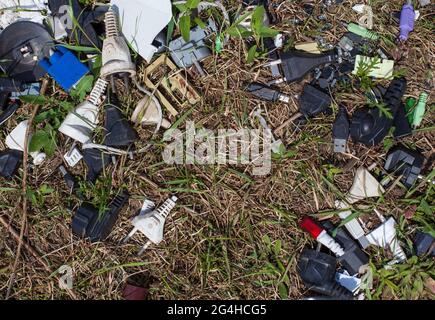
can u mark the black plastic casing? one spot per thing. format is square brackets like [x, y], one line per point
[369, 125]
[88, 223]
[10, 160]
[405, 162]
[95, 161]
[424, 244]
[263, 92]
[317, 270]
[354, 258]
[297, 64]
[313, 101]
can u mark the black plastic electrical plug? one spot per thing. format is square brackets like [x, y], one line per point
[295, 65]
[369, 125]
[119, 132]
[340, 130]
[354, 258]
[313, 101]
[95, 161]
[317, 270]
[89, 223]
[405, 162]
[264, 92]
[10, 160]
[424, 244]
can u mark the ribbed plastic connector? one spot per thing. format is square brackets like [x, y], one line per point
[111, 22]
[97, 92]
[167, 206]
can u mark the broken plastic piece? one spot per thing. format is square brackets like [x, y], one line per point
[407, 20]
[424, 244]
[141, 21]
[84, 33]
[95, 161]
[354, 259]
[405, 162]
[151, 222]
[267, 93]
[364, 186]
[118, 131]
[311, 47]
[134, 293]
[171, 86]
[80, 123]
[149, 112]
[385, 236]
[116, 58]
[313, 101]
[366, 21]
[317, 270]
[340, 130]
[369, 125]
[22, 45]
[64, 67]
[382, 70]
[16, 139]
[351, 283]
[10, 160]
[185, 54]
[89, 223]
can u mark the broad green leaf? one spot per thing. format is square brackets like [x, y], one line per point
[185, 27]
[267, 32]
[39, 140]
[252, 53]
[36, 100]
[258, 18]
[192, 4]
[200, 23]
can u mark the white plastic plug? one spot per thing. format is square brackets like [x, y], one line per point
[80, 123]
[116, 58]
[364, 186]
[16, 139]
[384, 236]
[151, 222]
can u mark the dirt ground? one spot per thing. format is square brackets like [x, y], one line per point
[233, 235]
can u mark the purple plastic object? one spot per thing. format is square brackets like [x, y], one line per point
[407, 21]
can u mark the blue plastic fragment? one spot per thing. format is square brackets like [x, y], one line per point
[64, 67]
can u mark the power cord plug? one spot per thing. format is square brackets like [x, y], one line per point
[264, 92]
[151, 222]
[295, 65]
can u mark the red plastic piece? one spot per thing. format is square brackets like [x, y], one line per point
[311, 227]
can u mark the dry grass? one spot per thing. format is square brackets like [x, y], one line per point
[217, 239]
